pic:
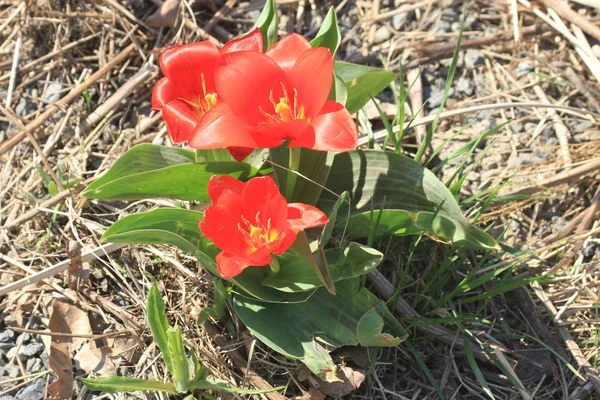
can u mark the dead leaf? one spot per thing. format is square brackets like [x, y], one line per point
[312, 394]
[349, 380]
[60, 352]
[165, 16]
[65, 318]
[100, 361]
[125, 347]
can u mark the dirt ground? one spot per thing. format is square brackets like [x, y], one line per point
[76, 79]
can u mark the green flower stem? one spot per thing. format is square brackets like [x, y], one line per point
[293, 165]
[274, 267]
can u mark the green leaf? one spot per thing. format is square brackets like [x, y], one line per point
[116, 384]
[299, 330]
[181, 372]
[219, 307]
[415, 200]
[369, 331]
[179, 227]
[223, 385]
[297, 275]
[329, 34]
[159, 325]
[173, 226]
[362, 83]
[328, 230]
[267, 22]
[339, 91]
[148, 171]
[313, 169]
[315, 258]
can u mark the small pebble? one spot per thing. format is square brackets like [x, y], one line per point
[465, 86]
[472, 58]
[399, 20]
[523, 68]
[34, 391]
[7, 335]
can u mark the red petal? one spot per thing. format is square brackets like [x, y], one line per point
[250, 42]
[335, 129]
[261, 195]
[312, 76]
[230, 265]
[245, 80]
[164, 92]
[180, 120]
[218, 185]
[220, 225]
[288, 237]
[190, 67]
[287, 50]
[239, 153]
[261, 257]
[277, 132]
[220, 128]
[303, 216]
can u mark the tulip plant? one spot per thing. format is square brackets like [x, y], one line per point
[270, 144]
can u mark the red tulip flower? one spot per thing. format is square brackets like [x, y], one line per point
[188, 92]
[277, 96]
[250, 221]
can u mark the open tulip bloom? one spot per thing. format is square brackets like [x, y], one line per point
[241, 99]
[187, 92]
[250, 221]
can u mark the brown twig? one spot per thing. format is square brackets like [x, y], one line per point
[567, 13]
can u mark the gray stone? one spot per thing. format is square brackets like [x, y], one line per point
[399, 20]
[10, 320]
[450, 14]
[34, 365]
[7, 398]
[578, 125]
[382, 34]
[523, 68]
[7, 335]
[441, 26]
[12, 352]
[12, 370]
[589, 250]
[6, 345]
[35, 391]
[465, 86]
[53, 91]
[514, 225]
[24, 107]
[472, 58]
[29, 350]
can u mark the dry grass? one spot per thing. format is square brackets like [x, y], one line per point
[71, 106]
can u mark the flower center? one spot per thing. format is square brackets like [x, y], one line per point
[203, 101]
[257, 234]
[286, 109]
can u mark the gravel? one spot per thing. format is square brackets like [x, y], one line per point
[34, 391]
[465, 86]
[473, 58]
[523, 68]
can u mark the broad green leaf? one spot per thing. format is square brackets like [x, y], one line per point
[362, 83]
[156, 171]
[179, 227]
[173, 226]
[333, 218]
[369, 331]
[315, 258]
[200, 371]
[181, 370]
[300, 330]
[159, 325]
[415, 200]
[224, 386]
[311, 175]
[329, 34]
[297, 275]
[116, 384]
[339, 91]
[268, 23]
